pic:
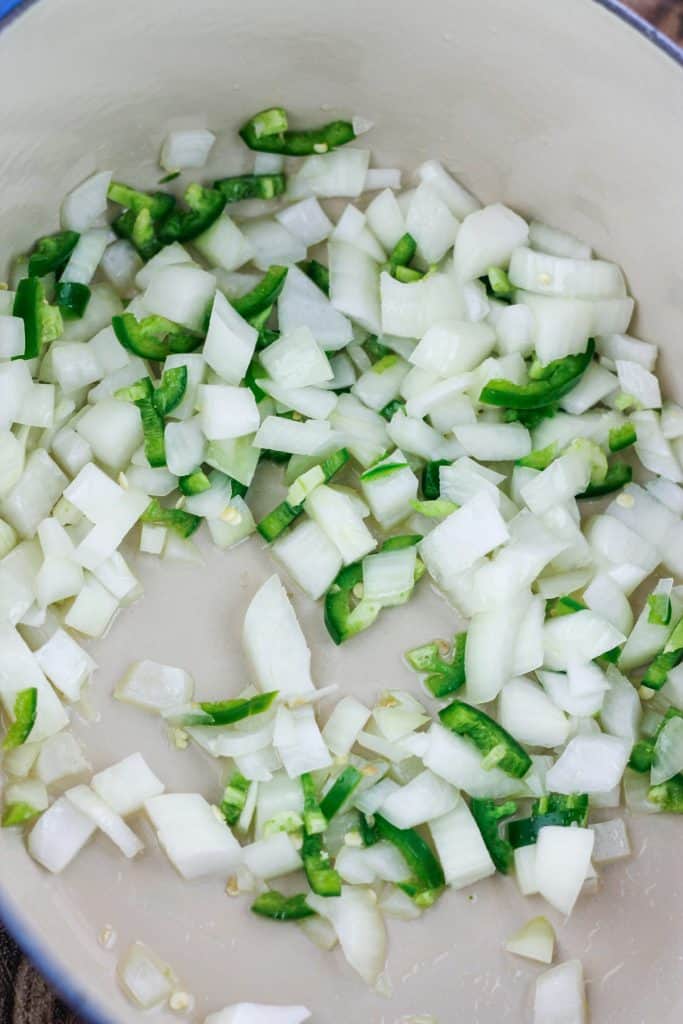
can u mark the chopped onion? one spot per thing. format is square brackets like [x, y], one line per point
[145, 978]
[535, 940]
[184, 149]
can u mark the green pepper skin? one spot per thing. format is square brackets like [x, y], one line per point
[559, 606]
[72, 299]
[205, 207]
[318, 273]
[183, 523]
[158, 204]
[153, 337]
[553, 382]
[226, 712]
[554, 809]
[403, 253]
[444, 677]
[277, 907]
[251, 186]
[171, 391]
[486, 734]
[498, 284]
[489, 815]
[622, 437]
[417, 854]
[25, 710]
[540, 459]
[28, 302]
[643, 753]
[618, 475]
[18, 814]
[284, 514]
[668, 795]
[431, 486]
[194, 483]
[262, 297]
[153, 430]
[340, 619]
[389, 410]
[51, 253]
[323, 879]
[642, 756]
[343, 786]
[234, 798]
[298, 143]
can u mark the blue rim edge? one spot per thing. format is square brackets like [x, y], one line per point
[29, 942]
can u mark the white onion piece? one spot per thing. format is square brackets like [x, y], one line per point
[535, 940]
[12, 338]
[452, 347]
[354, 277]
[527, 713]
[145, 978]
[336, 515]
[487, 671]
[86, 203]
[385, 219]
[622, 346]
[409, 310]
[223, 245]
[60, 757]
[272, 857]
[424, 798]
[464, 536]
[107, 820]
[382, 177]
[525, 869]
[186, 148]
[581, 636]
[359, 927]
[196, 840]
[309, 556]
[364, 431]
[459, 201]
[311, 437]
[486, 238]
[301, 303]
[274, 644]
[34, 494]
[589, 764]
[306, 220]
[381, 862]
[431, 223]
[668, 759]
[230, 341]
[560, 997]
[155, 687]
[339, 174]
[460, 847]
[227, 411]
[565, 277]
[545, 238]
[621, 710]
[181, 293]
[93, 610]
[126, 785]
[611, 841]
[563, 857]
[59, 834]
[458, 761]
[66, 664]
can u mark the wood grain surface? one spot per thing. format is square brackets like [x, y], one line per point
[24, 997]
